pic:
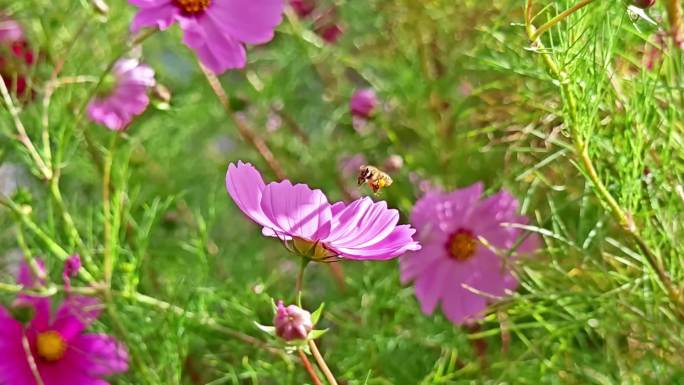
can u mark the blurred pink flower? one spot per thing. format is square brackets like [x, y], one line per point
[71, 267]
[303, 8]
[362, 230]
[61, 352]
[363, 103]
[330, 33]
[215, 29]
[126, 98]
[292, 322]
[15, 56]
[453, 259]
[349, 165]
[653, 51]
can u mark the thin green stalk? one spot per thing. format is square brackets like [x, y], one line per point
[109, 253]
[249, 135]
[560, 17]
[582, 151]
[22, 136]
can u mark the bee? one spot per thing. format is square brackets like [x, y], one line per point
[376, 178]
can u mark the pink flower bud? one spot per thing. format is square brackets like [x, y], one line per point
[644, 3]
[71, 267]
[363, 102]
[393, 163]
[292, 322]
[303, 8]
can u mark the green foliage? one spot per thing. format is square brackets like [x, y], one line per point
[466, 97]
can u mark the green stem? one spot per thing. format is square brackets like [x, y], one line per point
[109, 253]
[560, 17]
[582, 151]
[22, 136]
[247, 134]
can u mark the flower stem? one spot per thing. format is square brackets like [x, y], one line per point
[321, 363]
[309, 368]
[109, 253]
[674, 15]
[582, 152]
[245, 131]
[561, 16]
[22, 136]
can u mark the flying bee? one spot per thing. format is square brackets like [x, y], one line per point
[376, 178]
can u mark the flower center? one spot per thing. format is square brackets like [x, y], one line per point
[51, 345]
[312, 250]
[193, 6]
[461, 245]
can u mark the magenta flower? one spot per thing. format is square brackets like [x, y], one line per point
[453, 260]
[125, 98]
[57, 347]
[292, 322]
[303, 8]
[363, 103]
[215, 29]
[363, 230]
[15, 57]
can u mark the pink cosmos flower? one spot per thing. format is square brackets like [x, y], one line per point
[362, 230]
[454, 261]
[59, 351]
[363, 103]
[126, 98]
[292, 322]
[15, 57]
[215, 29]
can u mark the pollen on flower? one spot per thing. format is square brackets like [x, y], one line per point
[193, 6]
[461, 245]
[51, 345]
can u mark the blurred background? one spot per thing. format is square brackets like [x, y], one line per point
[463, 97]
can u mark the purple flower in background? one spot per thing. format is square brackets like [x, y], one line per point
[453, 260]
[303, 8]
[126, 97]
[363, 103]
[71, 267]
[327, 26]
[292, 322]
[362, 230]
[61, 352]
[15, 57]
[215, 29]
[349, 165]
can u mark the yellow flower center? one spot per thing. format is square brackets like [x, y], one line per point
[312, 250]
[193, 6]
[461, 245]
[51, 345]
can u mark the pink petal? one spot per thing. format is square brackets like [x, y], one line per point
[430, 286]
[396, 244]
[75, 314]
[102, 355]
[158, 13]
[414, 264]
[459, 304]
[245, 186]
[249, 21]
[217, 50]
[298, 210]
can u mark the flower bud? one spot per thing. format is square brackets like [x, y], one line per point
[363, 103]
[644, 3]
[393, 163]
[292, 322]
[303, 8]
